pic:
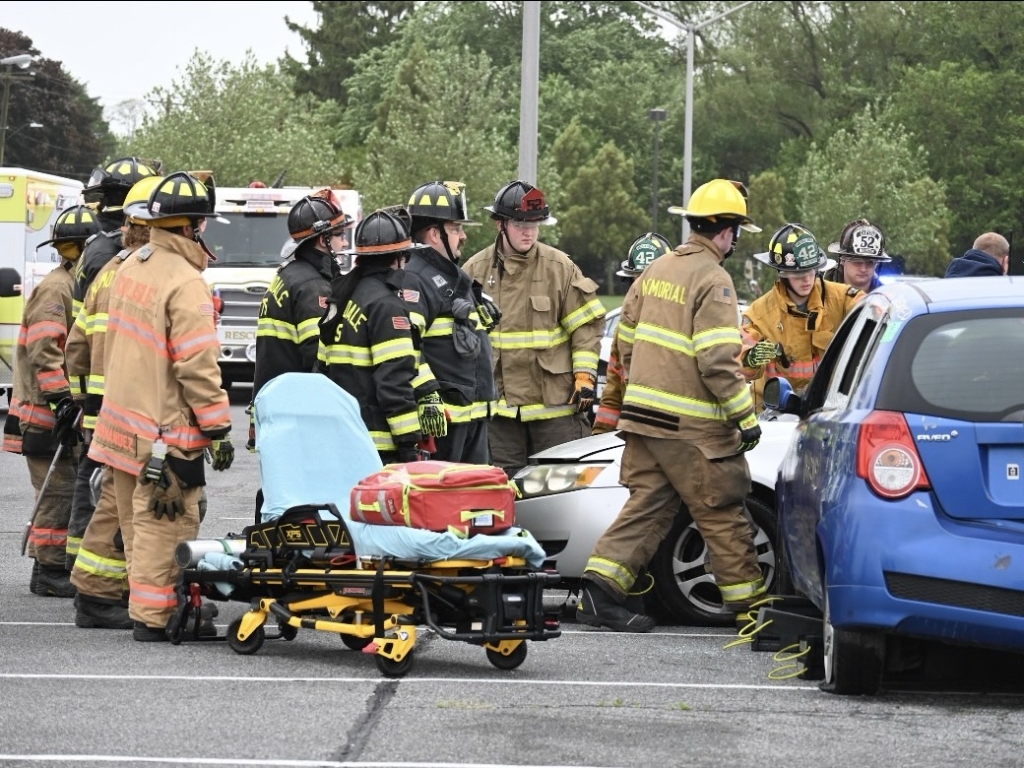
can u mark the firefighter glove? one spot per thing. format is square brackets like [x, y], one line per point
[167, 499]
[760, 354]
[461, 308]
[67, 415]
[583, 393]
[250, 444]
[750, 433]
[222, 453]
[432, 416]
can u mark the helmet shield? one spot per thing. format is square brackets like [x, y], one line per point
[861, 239]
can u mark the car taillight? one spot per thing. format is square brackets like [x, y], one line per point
[887, 457]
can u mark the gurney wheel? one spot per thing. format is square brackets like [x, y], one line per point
[354, 642]
[390, 668]
[288, 632]
[511, 661]
[251, 644]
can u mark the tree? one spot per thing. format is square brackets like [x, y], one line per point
[873, 170]
[436, 123]
[243, 122]
[127, 116]
[74, 139]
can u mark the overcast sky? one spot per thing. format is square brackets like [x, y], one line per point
[121, 50]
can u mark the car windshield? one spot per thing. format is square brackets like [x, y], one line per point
[962, 365]
[248, 240]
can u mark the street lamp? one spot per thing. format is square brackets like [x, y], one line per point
[690, 30]
[656, 116]
[8, 76]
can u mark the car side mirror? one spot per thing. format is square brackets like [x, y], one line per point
[10, 283]
[778, 395]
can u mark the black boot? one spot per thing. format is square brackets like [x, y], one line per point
[205, 616]
[98, 613]
[146, 634]
[599, 609]
[50, 581]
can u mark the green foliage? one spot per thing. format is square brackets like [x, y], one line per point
[872, 170]
[243, 122]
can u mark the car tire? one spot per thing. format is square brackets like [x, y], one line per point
[854, 660]
[685, 590]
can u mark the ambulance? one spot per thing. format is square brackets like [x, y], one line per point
[249, 238]
[29, 204]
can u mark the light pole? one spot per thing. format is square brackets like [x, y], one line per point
[690, 30]
[8, 76]
[656, 116]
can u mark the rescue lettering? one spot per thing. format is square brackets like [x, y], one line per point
[663, 289]
[353, 315]
[277, 291]
[102, 280]
[135, 293]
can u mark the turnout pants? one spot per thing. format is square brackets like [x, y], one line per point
[100, 570]
[149, 547]
[659, 472]
[513, 441]
[465, 442]
[81, 507]
[48, 537]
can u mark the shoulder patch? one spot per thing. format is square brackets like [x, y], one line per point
[401, 323]
[439, 281]
[722, 293]
[851, 291]
[410, 296]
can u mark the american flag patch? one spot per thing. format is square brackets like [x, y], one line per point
[410, 296]
[401, 323]
[54, 308]
[206, 308]
[722, 294]
[322, 301]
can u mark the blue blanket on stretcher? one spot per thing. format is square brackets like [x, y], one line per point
[313, 447]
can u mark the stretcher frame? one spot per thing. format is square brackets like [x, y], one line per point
[302, 571]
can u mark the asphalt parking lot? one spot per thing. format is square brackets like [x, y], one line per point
[674, 697]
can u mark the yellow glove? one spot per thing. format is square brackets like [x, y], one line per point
[583, 393]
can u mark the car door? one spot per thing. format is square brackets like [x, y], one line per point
[821, 454]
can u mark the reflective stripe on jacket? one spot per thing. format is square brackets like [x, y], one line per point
[678, 339]
[551, 326]
[160, 360]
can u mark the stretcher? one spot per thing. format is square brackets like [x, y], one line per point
[306, 564]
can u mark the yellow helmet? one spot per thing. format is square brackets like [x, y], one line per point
[139, 193]
[718, 198]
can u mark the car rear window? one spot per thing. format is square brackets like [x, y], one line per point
[961, 365]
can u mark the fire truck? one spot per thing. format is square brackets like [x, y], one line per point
[249, 237]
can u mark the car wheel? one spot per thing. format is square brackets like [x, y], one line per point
[854, 660]
[685, 589]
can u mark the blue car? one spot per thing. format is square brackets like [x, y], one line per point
[901, 497]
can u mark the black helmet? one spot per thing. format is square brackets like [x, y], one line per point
[315, 215]
[642, 252]
[75, 225]
[384, 232]
[794, 249]
[111, 183]
[178, 200]
[438, 201]
[861, 240]
[520, 201]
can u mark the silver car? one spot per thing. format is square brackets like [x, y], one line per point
[571, 494]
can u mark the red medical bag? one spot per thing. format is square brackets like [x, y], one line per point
[443, 496]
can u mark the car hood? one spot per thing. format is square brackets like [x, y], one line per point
[764, 460]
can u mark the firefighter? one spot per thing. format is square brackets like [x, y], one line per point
[785, 330]
[546, 345]
[369, 346]
[107, 188]
[95, 547]
[642, 252]
[42, 412]
[287, 334]
[861, 248]
[687, 418]
[163, 405]
[443, 306]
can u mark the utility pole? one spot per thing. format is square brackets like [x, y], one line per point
[8, 76]
[528, 92]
